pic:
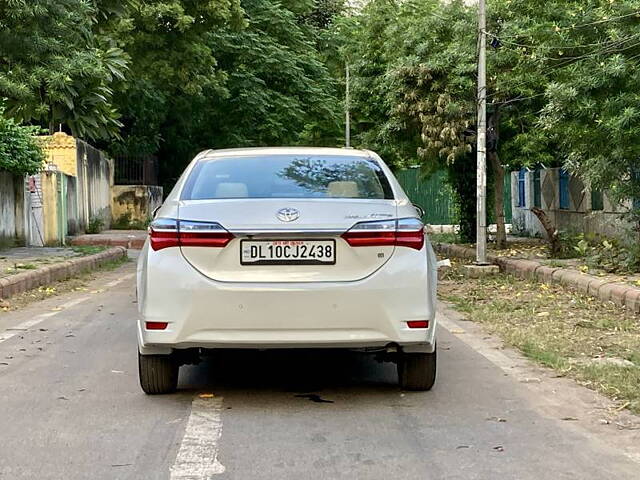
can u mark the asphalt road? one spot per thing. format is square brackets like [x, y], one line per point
[71, 408]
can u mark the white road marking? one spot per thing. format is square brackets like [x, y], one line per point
[494, 356]
[197, 457]
[113, 283]
[24, 326]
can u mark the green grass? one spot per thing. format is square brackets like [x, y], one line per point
[557, 328]
[88, 249]
[25, 266]
[444, 238]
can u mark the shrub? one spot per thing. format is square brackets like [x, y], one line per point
[95, 225]
[20, 152]
[125, 222]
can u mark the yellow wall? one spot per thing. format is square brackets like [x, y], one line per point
[137, 201]
[60, 150]
[50, 208]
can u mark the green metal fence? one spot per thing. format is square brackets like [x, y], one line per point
[433, 194]
[436, 197]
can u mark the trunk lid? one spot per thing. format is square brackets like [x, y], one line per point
[257, 219]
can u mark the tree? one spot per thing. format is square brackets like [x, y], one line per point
[173, 70]
[56, 68]
[414, 89]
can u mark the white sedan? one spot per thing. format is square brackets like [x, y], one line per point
[286, 248]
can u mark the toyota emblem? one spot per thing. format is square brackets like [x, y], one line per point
[287, 214]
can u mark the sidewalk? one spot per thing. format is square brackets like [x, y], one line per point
[25, 268]
[618, 292]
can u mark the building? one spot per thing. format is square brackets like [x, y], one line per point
[570, 205]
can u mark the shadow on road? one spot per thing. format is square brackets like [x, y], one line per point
[296, 371]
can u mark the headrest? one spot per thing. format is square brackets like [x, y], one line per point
[343, 189]
[232, 190]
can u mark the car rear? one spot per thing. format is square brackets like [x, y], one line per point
[286, 248]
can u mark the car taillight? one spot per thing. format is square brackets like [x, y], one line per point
[167, 232]
[404, 232]
[163, 233]
[202, 234]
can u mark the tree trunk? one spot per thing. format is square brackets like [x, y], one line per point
[498, 187]
[552, 232]
[498, 200]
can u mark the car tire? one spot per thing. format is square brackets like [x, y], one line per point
[158, 373]
[417, 371]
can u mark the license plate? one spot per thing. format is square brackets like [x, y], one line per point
[288, 252]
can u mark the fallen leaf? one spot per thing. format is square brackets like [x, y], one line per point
[206, 395]
[569, 419]
[543, 314]
[457, 331]
[497, 419]
[530, 380]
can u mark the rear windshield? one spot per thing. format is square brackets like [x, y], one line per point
[287, 176]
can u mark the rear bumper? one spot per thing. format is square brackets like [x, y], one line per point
[372, 312]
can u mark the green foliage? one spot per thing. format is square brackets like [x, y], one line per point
[462, 177]
[59, 64]
[246, 73]
[95, 225]
[600, 253]
[20, 152]
[125, 222]
[88, 249]
[445, 238]
[614, 257]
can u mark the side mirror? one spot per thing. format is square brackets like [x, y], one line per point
[420, 210]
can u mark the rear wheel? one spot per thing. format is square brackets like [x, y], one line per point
[417, 371]
[158, 373]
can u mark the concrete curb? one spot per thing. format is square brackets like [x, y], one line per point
[21, 282]
[616, 292]
[134, 243]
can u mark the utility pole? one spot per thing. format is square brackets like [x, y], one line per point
[347, 123]
[481, 228]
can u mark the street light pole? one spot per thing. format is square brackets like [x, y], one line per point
[481, 227]
[347, 123]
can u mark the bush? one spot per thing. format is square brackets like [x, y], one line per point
[125, 222]
[20, 152]
[95, 225]
[610, 255]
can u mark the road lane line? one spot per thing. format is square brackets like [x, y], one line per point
[197, 457]
[494, 356]
[24, 326]
[118, 281]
